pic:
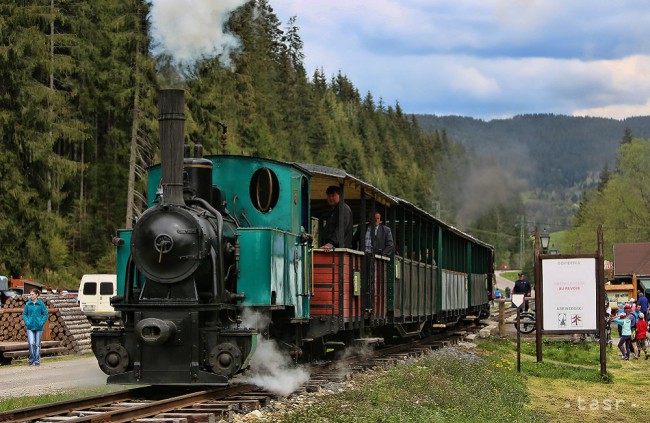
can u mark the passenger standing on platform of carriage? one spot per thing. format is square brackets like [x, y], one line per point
[383, 237]
[330, 235]
[35, 315]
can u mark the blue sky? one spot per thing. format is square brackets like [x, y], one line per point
[481, 58]
[484, 58]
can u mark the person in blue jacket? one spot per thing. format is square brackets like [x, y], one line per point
[626, 335]
[35, 315]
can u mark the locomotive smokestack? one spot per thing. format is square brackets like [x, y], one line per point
[171, 123]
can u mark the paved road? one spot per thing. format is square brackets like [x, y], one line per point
[502, 282]
[50, 377]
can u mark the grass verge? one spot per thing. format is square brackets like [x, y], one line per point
[483, 385]
[449, 385]
[567, 385]
[30, 401]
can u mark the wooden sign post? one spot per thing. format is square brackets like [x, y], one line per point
[570, 295]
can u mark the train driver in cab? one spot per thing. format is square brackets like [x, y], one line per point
[330, 234]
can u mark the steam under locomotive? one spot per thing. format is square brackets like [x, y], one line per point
[228, 234]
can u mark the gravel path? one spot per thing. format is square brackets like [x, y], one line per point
[50, 377]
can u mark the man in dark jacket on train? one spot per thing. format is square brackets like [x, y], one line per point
[379, 236]
[330, 234]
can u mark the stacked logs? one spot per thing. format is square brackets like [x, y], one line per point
[67, 324]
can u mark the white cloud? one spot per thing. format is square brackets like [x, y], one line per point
[616, 111]
[470, 81]
[481, 58]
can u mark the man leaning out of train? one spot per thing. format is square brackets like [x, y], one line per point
[330, 234]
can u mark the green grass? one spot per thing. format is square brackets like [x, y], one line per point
[511, 276]
[561, 352]
[30, 401]
[581, 353]
[558, 238]
[563, 371]
[483, 385]
[442, 387]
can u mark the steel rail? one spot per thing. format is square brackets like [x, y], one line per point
[38, 411]
[146, 410]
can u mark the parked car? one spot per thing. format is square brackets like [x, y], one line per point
[95, 292]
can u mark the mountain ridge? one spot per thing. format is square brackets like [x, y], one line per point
[548, 150]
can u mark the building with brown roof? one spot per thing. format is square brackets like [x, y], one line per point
[632, 264]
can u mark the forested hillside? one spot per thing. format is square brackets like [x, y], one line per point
[621, 203]
[78, 127]
[551, 151]
[556, 158]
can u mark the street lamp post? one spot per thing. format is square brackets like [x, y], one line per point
[545, 238]
[553, 250]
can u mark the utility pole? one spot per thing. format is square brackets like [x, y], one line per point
[521, 242]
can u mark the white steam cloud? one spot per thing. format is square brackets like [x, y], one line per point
[254, 320]
[486, 185]
[361, 350]
[270, 368]
[190, 29]
[273, 370]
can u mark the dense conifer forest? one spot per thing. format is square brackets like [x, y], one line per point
[78, 125]
[78, 83]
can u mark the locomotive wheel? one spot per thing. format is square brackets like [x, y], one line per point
[113, 359]
[225, 359]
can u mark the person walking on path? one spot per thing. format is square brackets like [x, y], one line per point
[626, 332]
[630, 311]
[35, 315]
[641, 336]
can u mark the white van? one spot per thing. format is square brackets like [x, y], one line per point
[95, 292]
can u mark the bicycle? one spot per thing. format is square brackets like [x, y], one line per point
[608, 332]
[528, 322]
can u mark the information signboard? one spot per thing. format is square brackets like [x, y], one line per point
[570, 294]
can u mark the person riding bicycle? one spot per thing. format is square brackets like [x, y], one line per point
[522, 286]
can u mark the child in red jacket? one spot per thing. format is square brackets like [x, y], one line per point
[641, 335]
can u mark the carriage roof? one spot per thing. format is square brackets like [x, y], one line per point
[324, 176]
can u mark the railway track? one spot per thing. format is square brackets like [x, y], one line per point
[167, 404]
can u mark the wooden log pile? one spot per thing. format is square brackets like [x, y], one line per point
[66, 323]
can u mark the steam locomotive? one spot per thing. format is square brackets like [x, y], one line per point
[230, 236]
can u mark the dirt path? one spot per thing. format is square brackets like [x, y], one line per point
[50, 377]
